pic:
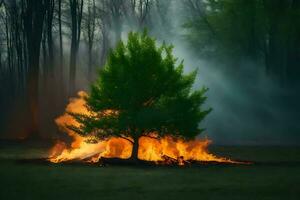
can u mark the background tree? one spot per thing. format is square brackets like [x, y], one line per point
[59, 14]
[89, 32]
[137, 12]
[76, 9]
[50, 5]
[263, 31]
[31, 28]
[146, 92]
[33, 24]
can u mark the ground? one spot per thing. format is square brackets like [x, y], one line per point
[275, 174]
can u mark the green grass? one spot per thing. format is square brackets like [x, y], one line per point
[277, 176]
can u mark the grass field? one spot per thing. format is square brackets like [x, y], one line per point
[275, 174]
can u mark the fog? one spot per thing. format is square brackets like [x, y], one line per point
[249, 107]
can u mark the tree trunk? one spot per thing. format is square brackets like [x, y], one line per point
[135, 150]
[60, 66]
[0, 60]
[25, 56]
[32, 90]
[72, 68]
[91, 18]
[105, 44]
[44, 54]
[50, 12]
[33, 24]
[7, 41]
[60, 34]
[76, 9]
[72, 75]
[90, 64]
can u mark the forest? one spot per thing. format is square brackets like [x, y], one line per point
[51, 49]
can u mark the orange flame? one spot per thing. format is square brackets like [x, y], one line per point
[150, 148]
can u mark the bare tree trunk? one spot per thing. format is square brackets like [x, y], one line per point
[33, 86]
[7, 41]
[0, 59]
[44, 54]
[60, 66]
[73, 45]
[60, 34]
[50, 12]
[116, 12]
[25, 59]
[10, 51]
[33, 23]
[76, 16]
[90, 63]
[91, 23]
[105, 44]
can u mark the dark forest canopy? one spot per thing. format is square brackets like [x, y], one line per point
[265, 31]
[49, 49]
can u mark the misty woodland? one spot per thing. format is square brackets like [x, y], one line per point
[50, 49]
[150, 99]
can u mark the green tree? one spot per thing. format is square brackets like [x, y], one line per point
[146, 92]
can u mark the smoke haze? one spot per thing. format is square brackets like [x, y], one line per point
[248, 106]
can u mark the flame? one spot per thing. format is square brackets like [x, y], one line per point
[151, 148]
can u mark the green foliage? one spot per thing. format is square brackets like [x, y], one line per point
[225, 27]
[267, 31]
[149, 92]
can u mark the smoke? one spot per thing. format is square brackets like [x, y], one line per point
[248, 106]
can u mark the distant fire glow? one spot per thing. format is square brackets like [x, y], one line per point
[150, 148]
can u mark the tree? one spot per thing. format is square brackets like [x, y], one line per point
[141, 90]
[115, 9]
[76, 8]
[89, 31]
[50, 5]
[60, 33]
[137, 12]
[33, 24]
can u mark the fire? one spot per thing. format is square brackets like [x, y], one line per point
[151, 148]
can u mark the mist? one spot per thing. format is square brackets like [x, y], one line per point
[249, 106]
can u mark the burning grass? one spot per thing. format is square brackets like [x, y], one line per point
[164, 150]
